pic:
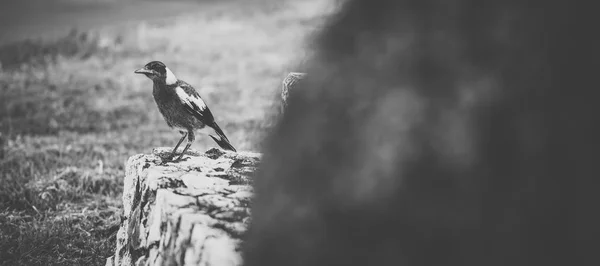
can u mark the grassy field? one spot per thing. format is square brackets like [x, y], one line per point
[72, 112]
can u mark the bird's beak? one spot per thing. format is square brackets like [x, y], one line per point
[143, 71]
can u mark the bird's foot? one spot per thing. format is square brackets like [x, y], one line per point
[165, 158]
[180, 159]
[169, 159]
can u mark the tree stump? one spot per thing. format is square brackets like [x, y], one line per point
[290, 82]
[192, 212]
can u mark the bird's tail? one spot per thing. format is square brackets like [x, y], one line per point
[220, 138]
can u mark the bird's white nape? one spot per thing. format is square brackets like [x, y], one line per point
[170, 77]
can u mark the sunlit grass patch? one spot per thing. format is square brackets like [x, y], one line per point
[39, 173]
[81, 234]
[59, 199]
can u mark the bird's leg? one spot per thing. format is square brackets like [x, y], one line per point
[178, 143]
[191, 139]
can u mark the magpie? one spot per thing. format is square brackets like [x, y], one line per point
[182, 107]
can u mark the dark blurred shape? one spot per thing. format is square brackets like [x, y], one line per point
[437, 133]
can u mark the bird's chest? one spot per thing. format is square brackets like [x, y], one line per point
[164, 97]
[168, 104]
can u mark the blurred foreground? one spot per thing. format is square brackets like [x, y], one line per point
[72, 111]
[437, 133]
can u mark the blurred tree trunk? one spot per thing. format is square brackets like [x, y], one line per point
[433, 132]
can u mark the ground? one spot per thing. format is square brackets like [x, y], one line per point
[72, 111]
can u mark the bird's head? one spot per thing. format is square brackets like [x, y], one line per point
[158, 72]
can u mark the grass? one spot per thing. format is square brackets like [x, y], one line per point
[72, 112]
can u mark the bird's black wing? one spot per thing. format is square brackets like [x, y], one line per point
[193, 103]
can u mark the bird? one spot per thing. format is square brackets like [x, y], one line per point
[182, 107]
